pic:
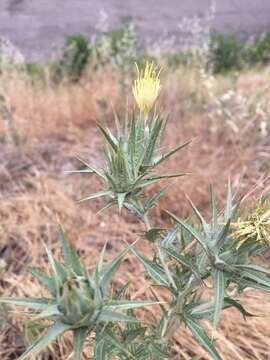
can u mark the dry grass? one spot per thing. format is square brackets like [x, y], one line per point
[56, 123]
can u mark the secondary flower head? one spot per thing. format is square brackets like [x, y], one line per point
[146, 87]
[256, 227]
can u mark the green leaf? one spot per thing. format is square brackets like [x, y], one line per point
[109, 137]
[150, 148]
[33, 303]
[128, 305]
[93, 169]
[120, 199]
[58, 270]
[45, 280]
[219, 288]
[97, 195]
[154, 234]
[223, 233]
[239, 307]
[156, 272]
[169, 239]
[69, 255]
[253, 268]
[153, 199]
[112, 316]
[118, 345]
[50, 336]
[199, 216]
[200, 334]
[256, 277]
[100, 350]
[134, 210]
[161, 158]
[109, 271]
[79, 337]
[155, 179]
[49, 313]
[183, 260]
[191, 230]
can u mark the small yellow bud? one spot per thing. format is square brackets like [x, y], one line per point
[146, 87]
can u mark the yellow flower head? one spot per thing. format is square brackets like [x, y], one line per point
[147, 87]
[256, 227]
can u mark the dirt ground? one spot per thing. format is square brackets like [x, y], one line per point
[39, 27]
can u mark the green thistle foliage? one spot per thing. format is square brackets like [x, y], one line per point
[193, 252]
[79, 302]
[132, 156]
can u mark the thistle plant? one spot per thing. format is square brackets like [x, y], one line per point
[195, 255]
[79, 301]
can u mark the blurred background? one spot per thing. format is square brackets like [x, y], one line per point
[64, 65]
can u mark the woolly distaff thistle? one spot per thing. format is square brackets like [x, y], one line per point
[80, 302]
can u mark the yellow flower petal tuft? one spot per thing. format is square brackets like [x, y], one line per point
[147, 87]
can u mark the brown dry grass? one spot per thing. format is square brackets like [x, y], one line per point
[57, 123]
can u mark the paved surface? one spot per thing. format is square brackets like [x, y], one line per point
[39, 26]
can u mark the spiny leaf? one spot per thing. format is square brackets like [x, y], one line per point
[108, 136]
[182, 260]
[169, 239]
[219, 288]
[153, 199]
[191, 230]
[33, 303]
[70, 256]
[117, 344]
[50, 336]
[120, 199]
[155, 271]
[45, 280]
[100, 350]
[239, 307]
[154, 234]
[199, 216]
[127, 305]
[97, 195]
[161, 158]
[201, 335]
[155, 179]
[79, 337]
[110, 270]
[113, 316]
[49, 312]
[91, 168]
